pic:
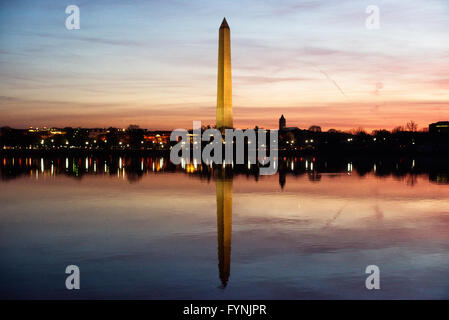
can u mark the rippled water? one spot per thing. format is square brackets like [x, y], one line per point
[140, 228]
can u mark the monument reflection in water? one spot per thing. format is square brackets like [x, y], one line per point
[224, 225]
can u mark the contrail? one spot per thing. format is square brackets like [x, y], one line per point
[330, 79]
[334, 82]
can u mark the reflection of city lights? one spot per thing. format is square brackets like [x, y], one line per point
[126, 164]
[190, 168]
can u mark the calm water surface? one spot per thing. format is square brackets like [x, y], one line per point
[138, 228]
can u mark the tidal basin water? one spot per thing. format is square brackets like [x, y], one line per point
[141, 228]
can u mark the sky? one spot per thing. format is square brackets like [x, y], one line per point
[154, 63]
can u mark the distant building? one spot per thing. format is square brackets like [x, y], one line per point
[157, 137]
[282, 123]
[439, 127]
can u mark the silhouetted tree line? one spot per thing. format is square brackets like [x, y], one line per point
[400, 140]
[359, 141]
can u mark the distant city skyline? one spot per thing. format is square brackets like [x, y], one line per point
[153, 64]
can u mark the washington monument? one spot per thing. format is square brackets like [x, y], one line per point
[224, 81]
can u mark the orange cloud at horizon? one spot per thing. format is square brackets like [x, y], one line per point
[341, 116]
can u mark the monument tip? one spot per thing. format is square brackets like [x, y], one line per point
[224, 24]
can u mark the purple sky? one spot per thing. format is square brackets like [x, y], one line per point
[153, 63]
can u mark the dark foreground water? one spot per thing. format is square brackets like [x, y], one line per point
[142, 228]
